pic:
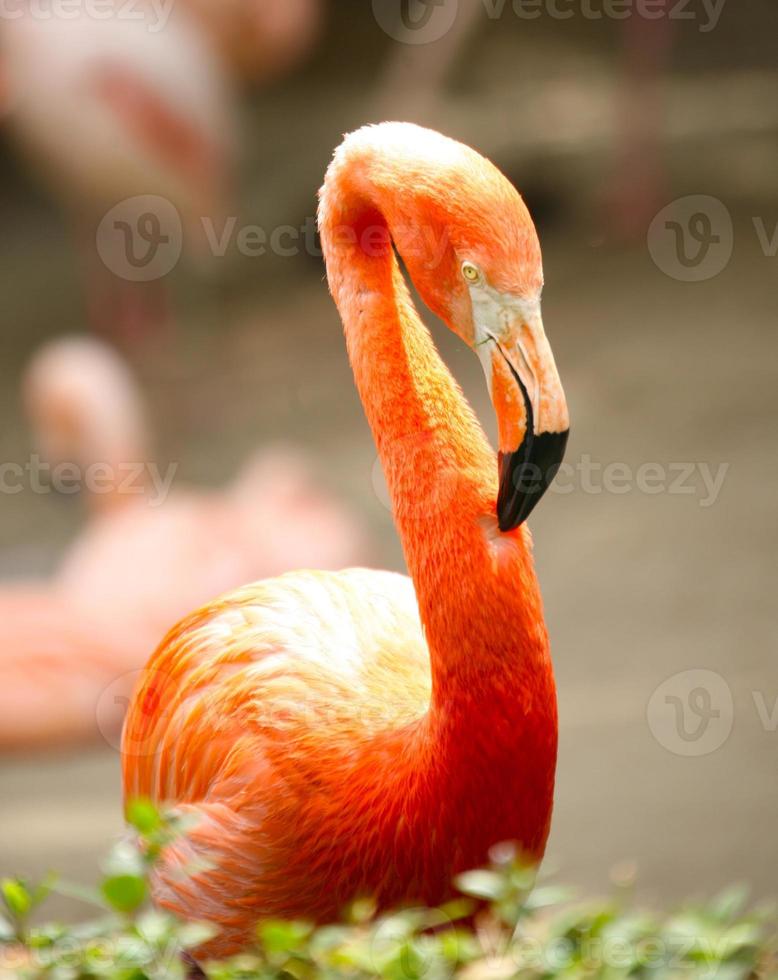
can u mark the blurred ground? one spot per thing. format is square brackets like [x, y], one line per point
[638, 587]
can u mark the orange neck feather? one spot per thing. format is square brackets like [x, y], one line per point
[494, 701]
[440, 469]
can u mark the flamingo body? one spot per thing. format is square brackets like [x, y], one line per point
[55, 661]
[131, 125]
[71, 647]
[360, 732]
[148, 564]
[111, 108]
[292, 718]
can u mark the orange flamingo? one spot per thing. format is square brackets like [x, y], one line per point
[144, 558]
[363, 732]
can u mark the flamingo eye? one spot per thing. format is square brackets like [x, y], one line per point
[471, 273]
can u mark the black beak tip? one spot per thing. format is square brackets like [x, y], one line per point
[526, 474]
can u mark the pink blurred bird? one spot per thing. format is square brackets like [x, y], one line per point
[259, 39]
[111, 109]
[148, 554]
[138, 113]
[55, 662]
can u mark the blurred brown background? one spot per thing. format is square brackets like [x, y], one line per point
[639, 586]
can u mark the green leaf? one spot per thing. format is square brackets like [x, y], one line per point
[16, 896]
[729, 903]
[125, 859]
[489, 885]
[143, 816]
[82, 893]
[549, 895]
[42, 891]
[154, 927]
[283, 937]
[458, 945]
[125, 893]
[361, 911]
[192, 934]
[457, 908]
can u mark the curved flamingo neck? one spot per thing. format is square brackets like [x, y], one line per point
[477, 591]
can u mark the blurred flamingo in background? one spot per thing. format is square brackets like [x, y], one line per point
[259, 39]
[360, 732]
[638, 182]
[116, 108]
[84, 408]
[55, 663]
[148, 552]
[415, 77]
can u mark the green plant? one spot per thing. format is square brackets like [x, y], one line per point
[501, 927]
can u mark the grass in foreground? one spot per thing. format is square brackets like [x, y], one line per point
[500, 928]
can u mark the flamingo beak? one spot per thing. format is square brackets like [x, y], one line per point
[532, 416]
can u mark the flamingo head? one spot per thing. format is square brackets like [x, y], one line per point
[471, 249]
[84, 408]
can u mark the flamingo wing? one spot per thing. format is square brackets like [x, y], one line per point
[250, 715]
